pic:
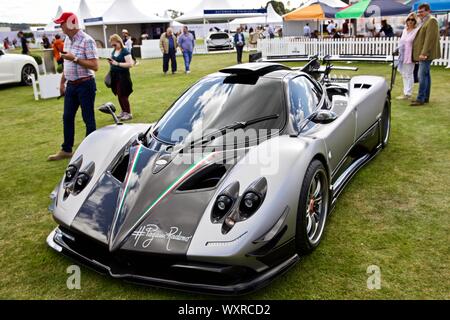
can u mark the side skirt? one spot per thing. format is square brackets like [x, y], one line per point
[345, 177]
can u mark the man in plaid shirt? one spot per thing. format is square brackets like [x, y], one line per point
[77, 82]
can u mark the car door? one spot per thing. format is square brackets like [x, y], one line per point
[6, 68]
[305, 97]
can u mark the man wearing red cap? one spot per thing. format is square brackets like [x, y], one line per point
[77, 82]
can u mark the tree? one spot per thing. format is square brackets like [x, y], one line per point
[278, 6]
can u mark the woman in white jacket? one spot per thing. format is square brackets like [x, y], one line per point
[405, 49]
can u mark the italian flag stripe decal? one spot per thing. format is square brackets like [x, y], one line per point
[127, 182]
[193, 168]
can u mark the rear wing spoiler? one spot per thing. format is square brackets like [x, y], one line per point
[390, 59]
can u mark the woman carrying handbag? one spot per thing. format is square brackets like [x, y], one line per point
[121, 85]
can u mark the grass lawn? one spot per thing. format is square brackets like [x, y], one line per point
[393, 214]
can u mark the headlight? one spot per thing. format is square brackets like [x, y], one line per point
[72, 170]
[83, 178]
[81, 182]
[230, 209]
[225, 202]
[249, 204]
[252, 198]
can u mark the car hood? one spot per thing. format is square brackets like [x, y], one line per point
[157, 206]
[219, 42]
[13, 57]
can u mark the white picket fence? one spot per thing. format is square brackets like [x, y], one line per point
[343, 46]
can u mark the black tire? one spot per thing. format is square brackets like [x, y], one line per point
[307, 238]
[386, 124]
[27, 70]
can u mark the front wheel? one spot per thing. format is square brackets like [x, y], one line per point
[313, 208]
[28, 71]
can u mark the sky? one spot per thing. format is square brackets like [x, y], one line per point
[42, 11]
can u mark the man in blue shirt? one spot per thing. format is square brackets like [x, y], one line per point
[239, 42]
[186, 43]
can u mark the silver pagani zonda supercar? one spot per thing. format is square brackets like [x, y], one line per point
[230, 187]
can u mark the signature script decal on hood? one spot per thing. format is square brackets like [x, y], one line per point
[152, 231]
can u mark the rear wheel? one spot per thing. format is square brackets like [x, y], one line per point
[386, 124]
[28, 71]
[312, 209]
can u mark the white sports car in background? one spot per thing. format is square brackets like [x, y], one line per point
[219, 41]
[17, 68]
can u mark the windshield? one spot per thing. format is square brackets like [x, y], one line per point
[215, 102]
[217, 36]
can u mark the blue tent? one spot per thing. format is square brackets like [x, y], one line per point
[436, 5]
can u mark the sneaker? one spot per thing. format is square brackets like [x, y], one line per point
[126, 116]
[121, 115]
[165, 73]
[173, 72]
[403, 97]
[187, 72]
[60, 155]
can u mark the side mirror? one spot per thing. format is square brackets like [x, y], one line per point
[109, 108]
[324, 117]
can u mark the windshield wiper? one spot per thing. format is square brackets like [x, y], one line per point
[234, 126]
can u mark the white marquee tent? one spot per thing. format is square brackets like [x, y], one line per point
[123, 14]
[83, 12]
[174, 24]
[271, 18]
[196, 15]
[51, 26]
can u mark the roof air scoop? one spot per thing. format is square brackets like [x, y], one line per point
[254, 69]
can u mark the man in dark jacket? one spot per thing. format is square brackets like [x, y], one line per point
[239, 42]
[23, 42]
[168, 45]
[386, 28]
[426, 48]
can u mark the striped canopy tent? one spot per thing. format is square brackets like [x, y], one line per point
[373, 8]
[310, 12]
[315, 10]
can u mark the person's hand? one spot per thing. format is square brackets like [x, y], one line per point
[68, 56]
[62, 89]
[423, 57]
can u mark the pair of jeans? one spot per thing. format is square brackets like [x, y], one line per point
[187, 55]
[424, 81]
[81, 94]
[239, 50]
[171, 56]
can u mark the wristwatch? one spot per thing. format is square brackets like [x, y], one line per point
[75, 60]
